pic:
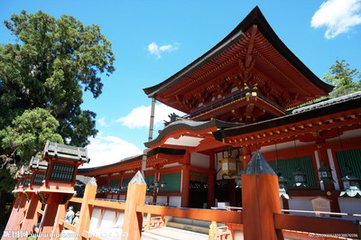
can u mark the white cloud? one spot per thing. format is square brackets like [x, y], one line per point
[102, 122]
[105, 150]
[156, 50]
[338, 16]
[140, 116]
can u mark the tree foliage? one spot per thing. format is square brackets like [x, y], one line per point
[29, 132]
[49, 66]
[345, 79]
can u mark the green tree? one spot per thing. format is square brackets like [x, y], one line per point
[50, 64]
[345, 79]
[29, 132]
[22, 139]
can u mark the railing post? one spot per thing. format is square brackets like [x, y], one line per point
[86, 209]
[260, 200]
[132, 224]
[212, 231]
[148, 221]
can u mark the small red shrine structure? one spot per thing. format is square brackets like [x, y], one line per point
[43, 190]
[247, 93]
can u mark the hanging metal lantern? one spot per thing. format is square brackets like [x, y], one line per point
[300, 178]
[351, 185]
[229, 166]
[325, 173]
[282, 182]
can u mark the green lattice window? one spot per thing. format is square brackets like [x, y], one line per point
[125, 184]
[27, 182]
[172, 180]
[350, 159]
[39, 177]
[288, 166]
[62, 172]
[149, 179]
[115, 183]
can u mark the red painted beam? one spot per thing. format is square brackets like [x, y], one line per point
[332, 226]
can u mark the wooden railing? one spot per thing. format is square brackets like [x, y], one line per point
[327, 227]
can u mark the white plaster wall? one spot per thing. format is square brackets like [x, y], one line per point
[148, 199]
[119, 220]
[238, 235]
[200, 160]
[94, 218]
[161, 200]
[175, 201]
[111, 224]
[300, 203]
[108, 219]
[350, 205]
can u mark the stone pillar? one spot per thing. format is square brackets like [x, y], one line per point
[260, 200]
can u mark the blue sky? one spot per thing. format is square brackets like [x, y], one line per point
[152, 40]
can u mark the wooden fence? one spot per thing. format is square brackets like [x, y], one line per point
[300, 227]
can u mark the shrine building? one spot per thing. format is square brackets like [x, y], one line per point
[249, 92]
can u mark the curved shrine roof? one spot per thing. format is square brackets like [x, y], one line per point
[294, 73]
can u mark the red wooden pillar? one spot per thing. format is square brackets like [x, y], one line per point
[260, 200]
[48, 228]
[156, 188]
[185, 180]
[31, 216]
[211, 181]
[246, 156]
[17, 215]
